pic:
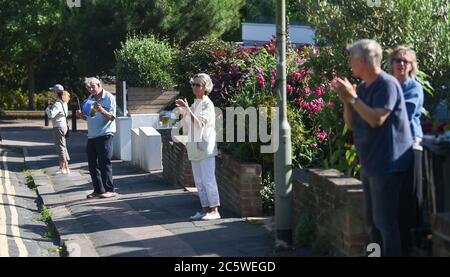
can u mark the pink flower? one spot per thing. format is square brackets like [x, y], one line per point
[320, 90]
[304, 105]
[321, 135]
[289, 88]
[313, 145]
[298, 60]
[307, 91]
[330, 105]
[272, 82]
[316, 105]
[273, 73]
[261, 80]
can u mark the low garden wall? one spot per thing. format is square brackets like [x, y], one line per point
[440, 226]
[239, 183]
[328, 212]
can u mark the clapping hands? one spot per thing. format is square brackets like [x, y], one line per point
[182, 103]
[346, 90]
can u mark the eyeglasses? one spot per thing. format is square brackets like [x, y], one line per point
[399, 60]
[197, 85]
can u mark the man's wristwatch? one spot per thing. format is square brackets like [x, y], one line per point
[353, 100]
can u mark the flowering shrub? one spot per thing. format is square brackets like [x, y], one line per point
[198, 56]
[247, 77]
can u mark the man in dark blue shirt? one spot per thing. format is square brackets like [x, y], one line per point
[376, 112]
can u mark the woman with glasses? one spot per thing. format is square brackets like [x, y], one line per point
[404, 68]
[198, 122]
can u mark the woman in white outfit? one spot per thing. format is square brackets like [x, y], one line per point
[58, 114]
[198, 123]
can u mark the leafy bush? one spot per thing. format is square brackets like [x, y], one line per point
[18, 100]
[198, 56]
[145, 61]
[422, 25]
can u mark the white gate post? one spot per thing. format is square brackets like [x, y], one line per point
[124, 91]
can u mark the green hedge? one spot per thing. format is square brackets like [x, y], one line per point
[145, 61]
[18, 100]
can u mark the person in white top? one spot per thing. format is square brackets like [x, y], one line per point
[198, 122]
[57, 112]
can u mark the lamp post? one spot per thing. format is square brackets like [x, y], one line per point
[283, 157]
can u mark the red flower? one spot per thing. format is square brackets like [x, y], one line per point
[427, 127]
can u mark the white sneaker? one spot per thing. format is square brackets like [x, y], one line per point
[67, 171]
[210, 216]
[197, 216]
[61, 171]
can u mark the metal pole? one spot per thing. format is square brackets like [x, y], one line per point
[46, 119]
[124, 91]
[283, 157]
[75, 106]
[74, 118]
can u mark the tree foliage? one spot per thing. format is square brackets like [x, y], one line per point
[28, 29]
[183, 21]
[422, 25]
[64, 45]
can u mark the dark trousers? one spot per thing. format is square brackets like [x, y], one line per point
[99, 151]
[381, 195]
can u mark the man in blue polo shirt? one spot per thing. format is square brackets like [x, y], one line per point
[101, 129]
[376, 112]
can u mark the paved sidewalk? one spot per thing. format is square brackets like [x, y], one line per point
[149, 218]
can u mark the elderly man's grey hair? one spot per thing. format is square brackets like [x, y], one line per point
[368, 49]
[92, 80]
[206, 79]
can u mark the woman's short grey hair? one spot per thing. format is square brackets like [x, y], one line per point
[368, 49]
[92, 80]
[206, 79]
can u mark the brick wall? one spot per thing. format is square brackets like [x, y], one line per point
[336, 205]
[177, 168]
[239, 186]
[239, 183]
[440, 226]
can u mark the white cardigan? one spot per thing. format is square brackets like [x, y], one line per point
[201, 142]
[56, 114]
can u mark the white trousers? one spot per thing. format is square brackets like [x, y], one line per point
[204, 172]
